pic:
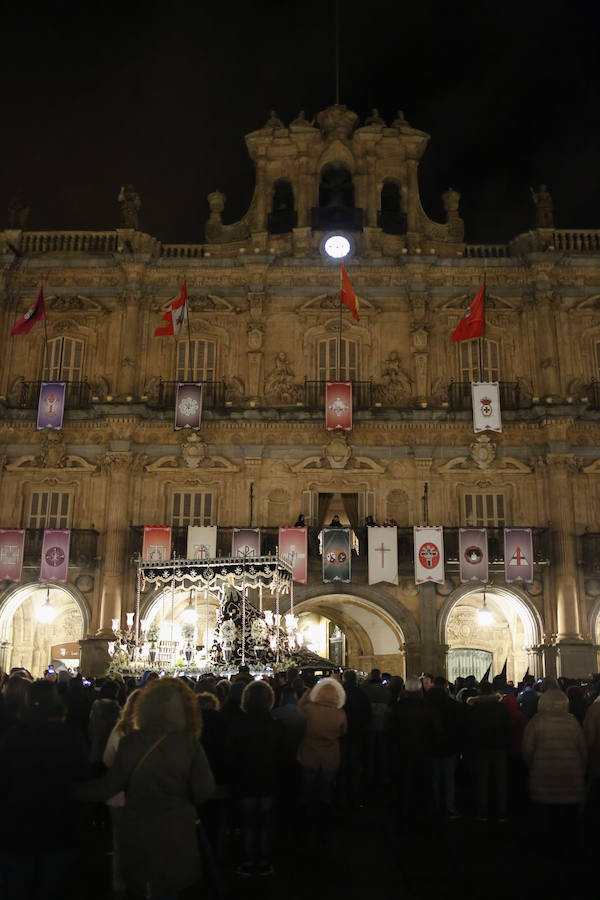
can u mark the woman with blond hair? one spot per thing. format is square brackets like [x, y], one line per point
[319, 751]
[163, 770]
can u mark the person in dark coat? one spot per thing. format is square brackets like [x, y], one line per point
[489, 733]
[353, 745]
[41, 758]
[255, 753]
[414, 733]
[448, 745]
[378, 695]
[104, 715]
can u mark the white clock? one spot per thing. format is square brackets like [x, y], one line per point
[337, 246]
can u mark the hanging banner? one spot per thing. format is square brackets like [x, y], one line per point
[293, 548]
[55, 555]
[473, 554]
[12, 542]
[245, 542]
[188, 406]
[518, 555]
[51, 405]
[338, 405]
[201, 541]
[429, 554]
[383, 554]
[336, 554]
[486, 406]
[157, 544]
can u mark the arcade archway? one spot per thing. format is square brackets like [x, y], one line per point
[42, 625]
[507, 629]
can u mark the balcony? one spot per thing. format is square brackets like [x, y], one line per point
[78, 395]
[362, 394]
[213, 395]
[541, 544]
[83, 550]
[511, 395]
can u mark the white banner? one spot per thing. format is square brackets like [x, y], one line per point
[383, 554]
[486, 406]
[429, 554]
[201, 542]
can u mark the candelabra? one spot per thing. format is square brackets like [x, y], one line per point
[127, 646]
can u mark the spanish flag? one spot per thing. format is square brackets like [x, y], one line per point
[347, 295]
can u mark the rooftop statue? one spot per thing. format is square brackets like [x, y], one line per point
[374, 118]
[130, 206]
[301, 121]
[274, 121]
[544, 212]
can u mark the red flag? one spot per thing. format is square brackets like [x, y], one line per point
[347, 295]
[472, 324]
[175, 316]
[33, 315]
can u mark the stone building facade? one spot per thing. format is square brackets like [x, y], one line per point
[264, 337]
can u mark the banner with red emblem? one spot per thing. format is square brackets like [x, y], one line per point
[157, 544]
[51, 405]
[486, 406]
[293, 548]
[429, 554]
[12, 542]
[338, 405]
[518, 555]
[336, 554]
[55, 555]
[473, 554]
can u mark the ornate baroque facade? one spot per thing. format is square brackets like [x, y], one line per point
[264, 337]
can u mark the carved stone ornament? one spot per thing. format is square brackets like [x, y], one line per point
[193, 451]
[483, 451]
[255, 335]
[53, 453]
[278, 384]
[337, 452]
[395, 382]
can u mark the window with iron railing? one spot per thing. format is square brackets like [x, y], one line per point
[328, 352]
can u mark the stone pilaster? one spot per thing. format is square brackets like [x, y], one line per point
[117, 467]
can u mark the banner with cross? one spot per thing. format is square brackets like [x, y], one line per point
[429, 554]
[383, 554]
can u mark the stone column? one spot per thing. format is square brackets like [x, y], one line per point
[302, 198]
[412, 199]
[116, 466]
[262, 201]
[547, 351]
[129, 347]
[430, 647]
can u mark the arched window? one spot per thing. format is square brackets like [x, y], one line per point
[391, 217]
[336, 200]
[283, 216]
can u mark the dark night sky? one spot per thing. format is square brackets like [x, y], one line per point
[161, 95]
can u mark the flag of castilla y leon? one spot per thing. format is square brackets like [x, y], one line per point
[36, 314]
[347, 295]
[175, 316]
[472, 324]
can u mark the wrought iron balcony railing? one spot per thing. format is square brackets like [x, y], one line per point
[25, 395]
[213, 394]
[362, 394]
[83, 550]
[511, 395]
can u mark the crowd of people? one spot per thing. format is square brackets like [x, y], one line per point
[192, 776]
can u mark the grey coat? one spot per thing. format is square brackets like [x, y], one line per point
[555, 752]
[157, 832]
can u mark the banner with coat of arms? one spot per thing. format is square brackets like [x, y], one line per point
[338, 405]
[51, 405]
[245, 542]
[293, 548]
[429, 554]
[188, 406]
[486, 406]
[518, 555]
[201, 541]
[473, 554]
[55, 555]
[12, 542]
[157, 544]
[336, 554]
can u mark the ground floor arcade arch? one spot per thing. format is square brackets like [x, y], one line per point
[511, 632]
[32, 639]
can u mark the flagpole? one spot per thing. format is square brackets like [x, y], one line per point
[339, 355]
[482, 337]
[187, 309]
[46, 360]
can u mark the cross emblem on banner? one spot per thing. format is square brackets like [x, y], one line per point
[518, 558]
[246, 550]
[382, 550]
[200, 551]
[292, 555]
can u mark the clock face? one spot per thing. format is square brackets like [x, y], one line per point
[337, 246]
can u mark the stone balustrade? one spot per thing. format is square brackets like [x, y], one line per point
[576, 240]
[68, 242]
[486, 251]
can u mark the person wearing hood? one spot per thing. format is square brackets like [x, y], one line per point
[319, 751]
[489, 730]
[165, 774]
[555, 753]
